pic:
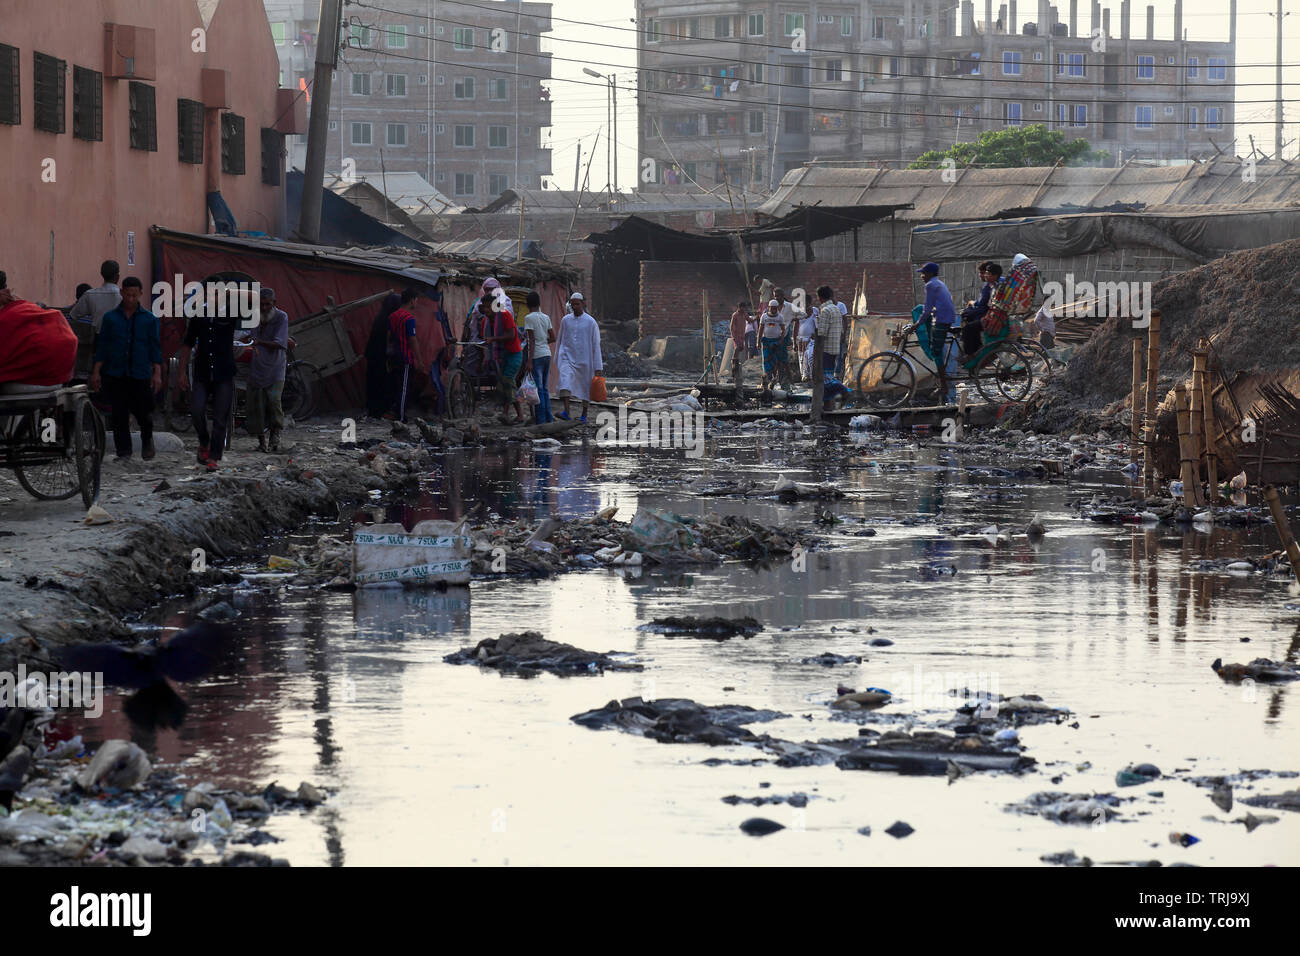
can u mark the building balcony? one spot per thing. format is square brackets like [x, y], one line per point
[543, 161]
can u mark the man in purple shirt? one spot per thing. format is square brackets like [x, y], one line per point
[266, 373]
[940, 313]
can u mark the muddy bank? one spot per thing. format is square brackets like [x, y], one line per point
[63, 580]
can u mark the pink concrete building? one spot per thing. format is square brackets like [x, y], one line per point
[118, 115]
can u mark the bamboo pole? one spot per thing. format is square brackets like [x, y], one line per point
[1153, 371]
[1135, 425]
[1197, 424]
[818, 380]
[1211, 431]
[1188, 471]
[1283, 529]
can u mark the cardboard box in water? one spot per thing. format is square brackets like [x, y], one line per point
[431, 553]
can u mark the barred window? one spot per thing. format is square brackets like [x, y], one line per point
[143, 114]
[10, 102]
[87, 104]
[50, 102]
[272, 156]
[189, 131]
[232, 144]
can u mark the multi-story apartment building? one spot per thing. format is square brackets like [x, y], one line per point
[459, 94]
[749, 90]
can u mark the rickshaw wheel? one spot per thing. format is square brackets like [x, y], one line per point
[460, 395]
[52, 479]
[89, 441]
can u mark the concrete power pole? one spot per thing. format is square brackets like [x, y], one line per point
[1277, 146]
[313, 180]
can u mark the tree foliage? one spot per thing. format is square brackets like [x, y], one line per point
[1034, 145]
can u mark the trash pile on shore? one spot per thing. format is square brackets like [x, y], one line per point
[115, 809]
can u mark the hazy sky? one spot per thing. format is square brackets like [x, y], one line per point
[579, 110]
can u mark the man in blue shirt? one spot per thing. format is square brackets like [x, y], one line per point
[128, 362]
[941, 314]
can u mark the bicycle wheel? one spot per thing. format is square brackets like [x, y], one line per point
[50, 471]
[1007, 376]
[885, 380]
[297, 399]
[1040, 363]
[89, 445]
[460, 395]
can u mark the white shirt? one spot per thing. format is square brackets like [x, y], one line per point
[1045, 321]
[844, 309]
[539, 323]
[772, 325]
[94, 304]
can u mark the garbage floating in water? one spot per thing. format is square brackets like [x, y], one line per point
[434, 552]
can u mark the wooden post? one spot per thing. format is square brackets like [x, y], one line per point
[1197, 423]
[706, 354]
[818, 380]
[1135, 426]
[1211, 432]
[1188, 472]
[962, 397]
[1153, 371]
[1283, 530]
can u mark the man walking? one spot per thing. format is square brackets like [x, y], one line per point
[401, 352]
[212, 341]
[537, 325]
[266, 373]
[829, 329]
[940, 313]
[739, 323]
[128, 362]
[578, 359]
[95, 304]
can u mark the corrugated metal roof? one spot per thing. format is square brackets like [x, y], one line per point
[642, 201]
[938, 196]
[409, 191]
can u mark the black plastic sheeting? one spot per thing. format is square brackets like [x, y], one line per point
[343, 224]
[1197, 237]
[805, 225]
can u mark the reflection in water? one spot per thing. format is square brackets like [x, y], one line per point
[429, 760]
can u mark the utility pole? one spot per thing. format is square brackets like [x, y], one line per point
[613, 92]
[327, 53]
[1277, 140]
[577, 165]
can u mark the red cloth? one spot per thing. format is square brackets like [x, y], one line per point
[40, 347]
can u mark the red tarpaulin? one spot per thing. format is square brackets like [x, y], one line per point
[301, 286]
[40, 347]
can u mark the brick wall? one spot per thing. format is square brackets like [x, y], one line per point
[671, 291]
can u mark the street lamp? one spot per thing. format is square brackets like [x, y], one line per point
[611, 124]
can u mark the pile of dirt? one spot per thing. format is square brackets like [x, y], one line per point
[619, 363]
[1241, 302]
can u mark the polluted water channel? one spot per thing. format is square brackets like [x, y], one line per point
[907, 587]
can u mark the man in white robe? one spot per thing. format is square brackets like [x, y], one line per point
[578, 359]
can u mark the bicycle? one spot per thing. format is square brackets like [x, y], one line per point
[1000, 371]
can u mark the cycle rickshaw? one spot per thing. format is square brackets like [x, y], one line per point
[53, 438]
